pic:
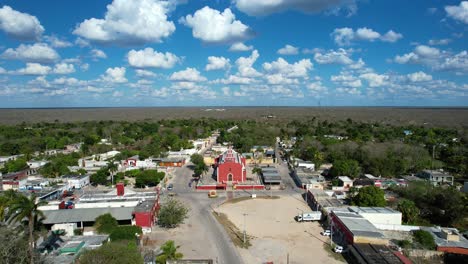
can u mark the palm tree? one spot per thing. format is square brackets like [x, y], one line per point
[27, 208]
[112, 167]
[169, 250]
[6, 200]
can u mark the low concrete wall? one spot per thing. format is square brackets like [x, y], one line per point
[421, 253]
[249, 187]
[211, 187]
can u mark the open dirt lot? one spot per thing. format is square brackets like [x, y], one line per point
[448, 117]
[274, 233]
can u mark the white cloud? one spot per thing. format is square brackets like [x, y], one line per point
[226, 91]
[187, 75]
[117, 94]
[114, 75]
[367, 34]
[239, 46]
[38, 52]
[64, 68]
[234, 79]
[288, 50]
[145, 73]
[2, 70]
[57, 43]
[245, 65]
[298, 69]
[280, 79]
[266, 7]
[82, 42]
[345, 36]
[439, 42]
[391, 36]
[421, 54]
[212, 26]
[150, 58]
[374, 79]
[459, 13]
[316, 87]
[129, 23]
[457, 63]
[419, 77]
[160, 93]
[340, 56]
[346, 80]
[34, 69]
[217, 63]
[357, 65]
[98, 54]
[19, 25]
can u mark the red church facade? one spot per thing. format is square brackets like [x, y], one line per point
[230, 167]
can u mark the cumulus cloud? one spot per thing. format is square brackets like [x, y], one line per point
[266, 7]
[187, 75]
[217, 63]
[234, 79]
[374, 79]
[294, 70]
[212, 26]
[150, 58]
[245, 65]
[57, 42]
[459, 12]
[288, 50]
[346, 80]
[34, 69]
[64, 68]
[129, 23]
[239, 46]
[145, 73]
[340, 56]
[98, 54]
[114, 75]
[19, 25]
[346, 36]
[38, 52]
[419, 77]
[316, 87]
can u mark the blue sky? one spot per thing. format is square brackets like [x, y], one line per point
[233, 53]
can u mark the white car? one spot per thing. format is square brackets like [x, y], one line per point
[338, 249]
[326, 233]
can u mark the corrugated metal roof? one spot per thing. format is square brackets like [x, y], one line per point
[85, 214]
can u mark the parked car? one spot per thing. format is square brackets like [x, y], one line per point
[338, 249]
[326, 232]
[170, 187]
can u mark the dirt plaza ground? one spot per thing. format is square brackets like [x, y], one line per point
[273, 232]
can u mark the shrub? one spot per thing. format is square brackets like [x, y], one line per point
[125, 233]
[424, 238]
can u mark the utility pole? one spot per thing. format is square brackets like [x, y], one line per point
[331, 233]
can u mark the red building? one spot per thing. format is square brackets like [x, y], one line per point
[230, 167]
[145, 213]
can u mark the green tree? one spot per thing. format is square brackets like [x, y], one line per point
[369, 196]
[424, 239]
[105, 224]
[120, 252]
[172, 213]
[14, 165]
[409, 211]
[6, 199]
[14, 247]
[199, 162]
[345, 167]
[125, 233]
[27, 208]
[112, 168]
[169, 250]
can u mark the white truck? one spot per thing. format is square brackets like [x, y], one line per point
[311, 216]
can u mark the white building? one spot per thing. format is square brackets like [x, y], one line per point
[76, 181]
[37, 164]
[378, 215]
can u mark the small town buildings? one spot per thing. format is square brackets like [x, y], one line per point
[76, 181]
[319, 200]
[145, 214]
[366, 253]
[170, 162]
[230, 167]
[344, 183]
[36, 164]
[309, 179]
[449, 240]
[350, 228]
[436, 177]
[67, 249]
[270, 175]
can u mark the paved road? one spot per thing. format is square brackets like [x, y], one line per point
[201, 205]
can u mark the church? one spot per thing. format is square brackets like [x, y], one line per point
[230, 167]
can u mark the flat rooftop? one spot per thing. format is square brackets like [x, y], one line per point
[376, 254]
[144, 206]
[358, 225]
[85, 214]
[373, 210]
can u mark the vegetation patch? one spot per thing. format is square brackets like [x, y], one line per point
[331, 253]
[236, 235]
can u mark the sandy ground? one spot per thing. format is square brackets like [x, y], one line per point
[276, 233]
